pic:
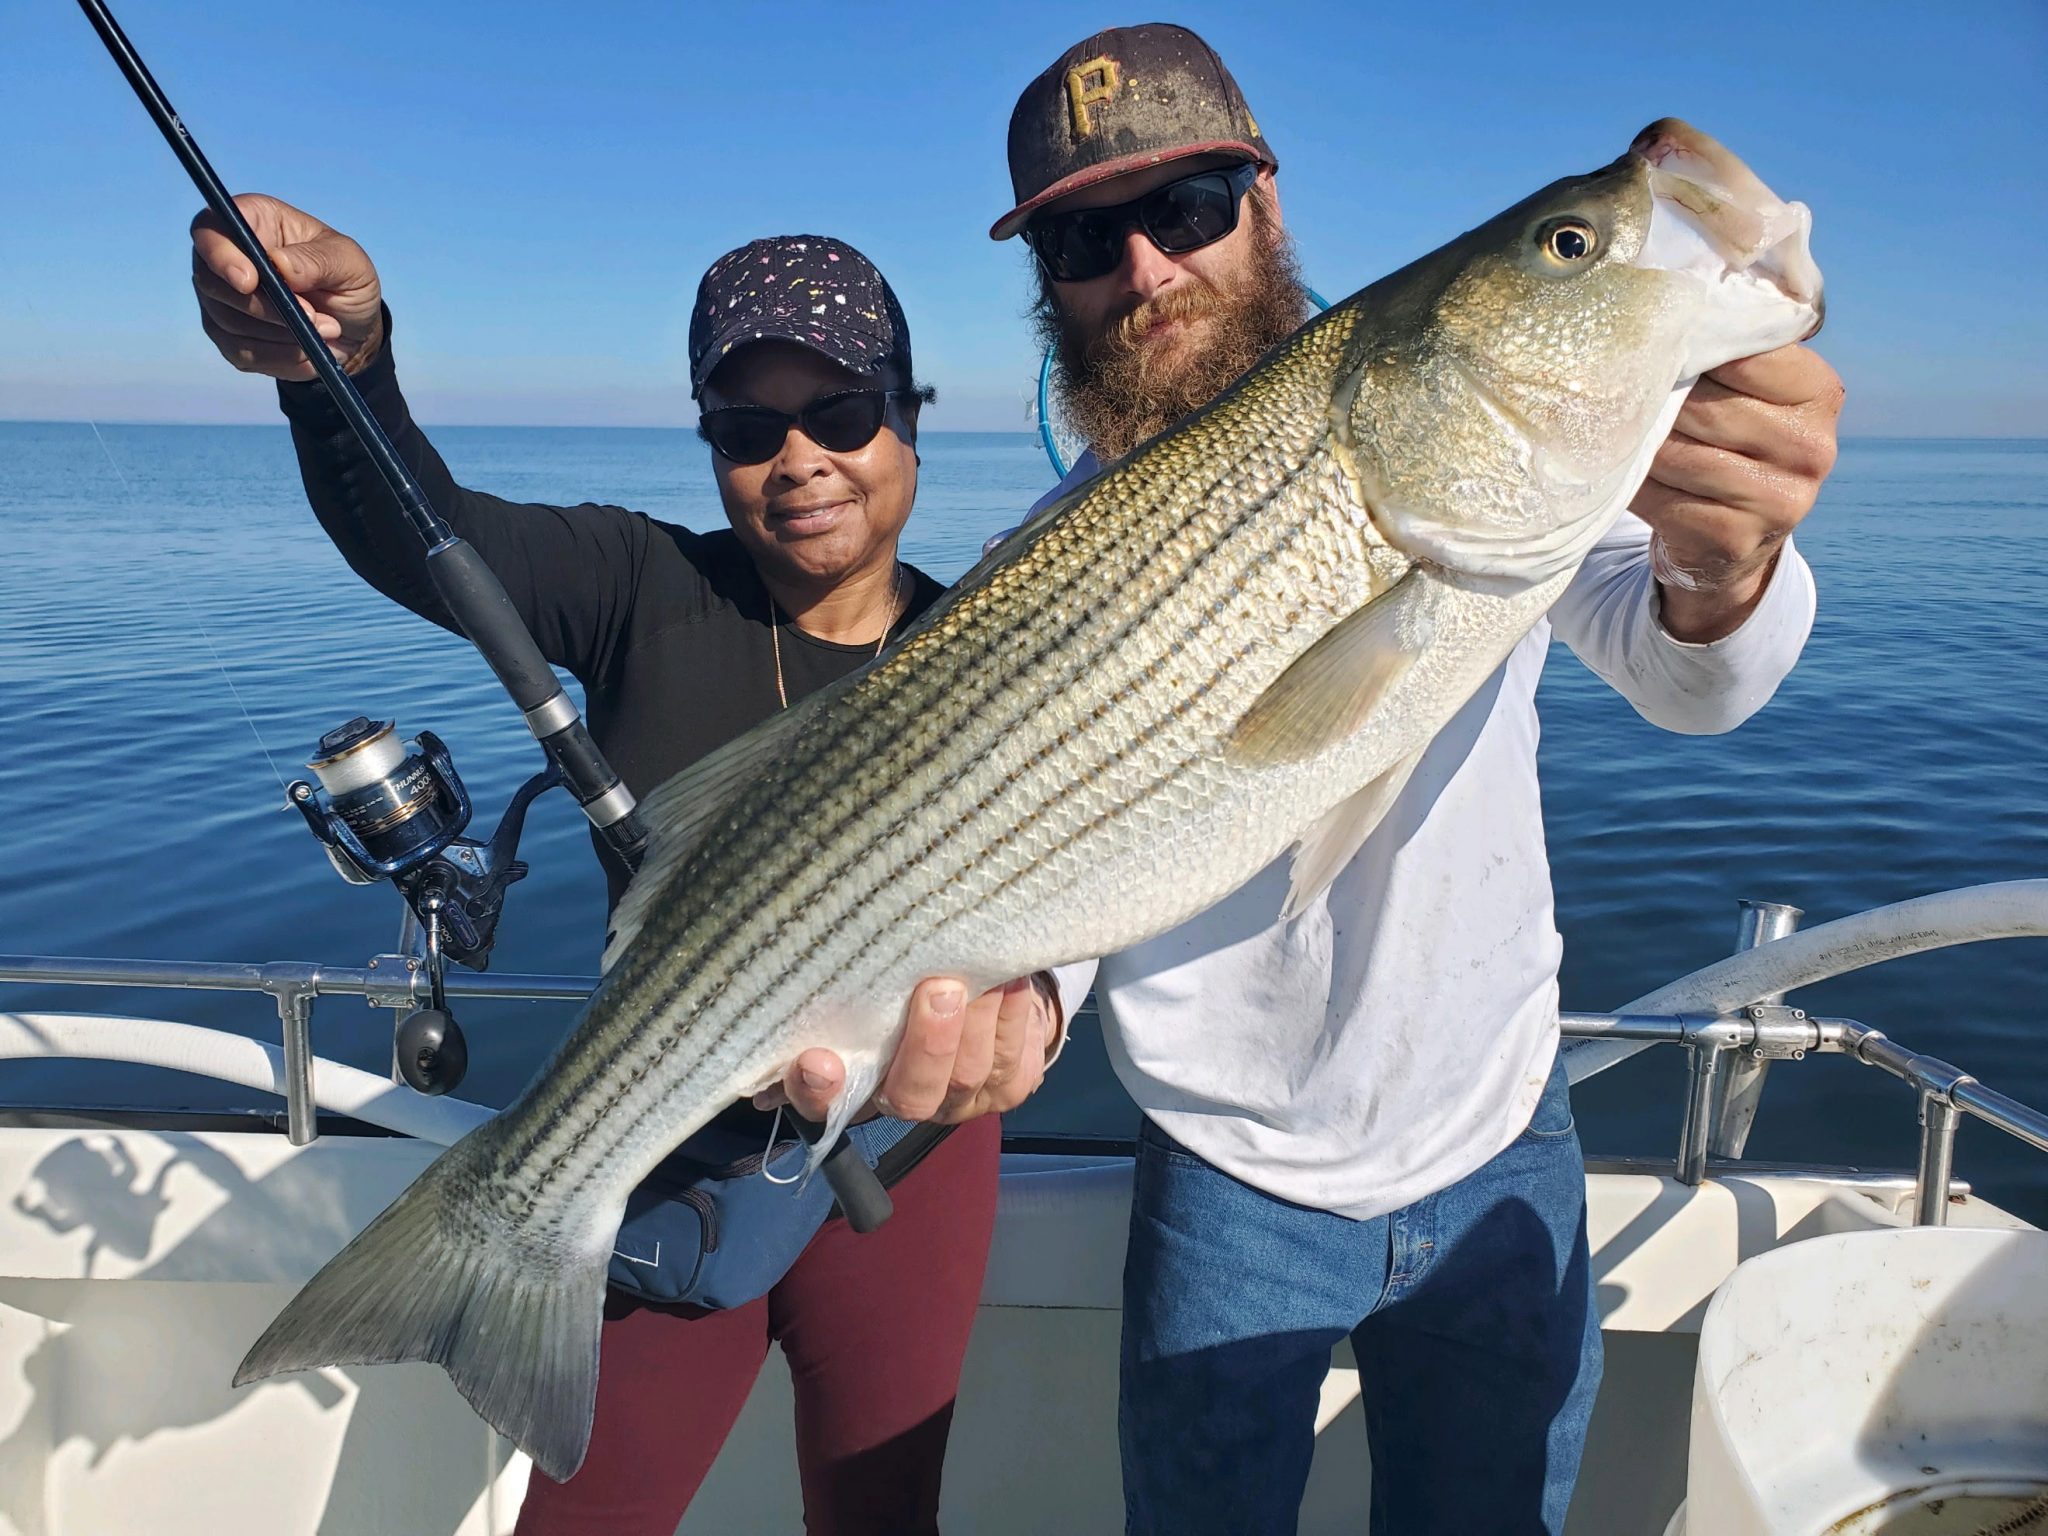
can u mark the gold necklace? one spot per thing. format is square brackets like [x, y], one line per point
[775, 628]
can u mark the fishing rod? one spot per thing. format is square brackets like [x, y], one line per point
[382, 812]
[465, 583]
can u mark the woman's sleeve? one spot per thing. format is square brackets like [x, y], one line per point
[571, 572]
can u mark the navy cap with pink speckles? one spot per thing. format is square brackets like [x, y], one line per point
[810, 289]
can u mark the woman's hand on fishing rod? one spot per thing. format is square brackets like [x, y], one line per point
[334, 279]
[960, 1058]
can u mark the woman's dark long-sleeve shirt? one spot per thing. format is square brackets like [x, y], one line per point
[667, 630]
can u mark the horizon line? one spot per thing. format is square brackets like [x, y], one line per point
[1027, 432]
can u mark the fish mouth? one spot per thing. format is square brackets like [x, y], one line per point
[1713, 217]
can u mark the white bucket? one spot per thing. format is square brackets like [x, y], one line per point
[1892, 1381]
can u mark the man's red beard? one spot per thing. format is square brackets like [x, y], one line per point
[1127, 383]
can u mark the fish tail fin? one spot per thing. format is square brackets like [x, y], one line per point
[513, 1322]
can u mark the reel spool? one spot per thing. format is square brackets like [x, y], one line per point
[384, 809]
[381, 811]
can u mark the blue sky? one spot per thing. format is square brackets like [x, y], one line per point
[542, 185]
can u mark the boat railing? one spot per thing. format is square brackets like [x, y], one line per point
[1718, 1045]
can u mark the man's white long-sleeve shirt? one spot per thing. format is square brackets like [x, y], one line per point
[1397, 1034]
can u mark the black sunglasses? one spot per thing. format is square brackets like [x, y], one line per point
[1179, 217]
[841, 423]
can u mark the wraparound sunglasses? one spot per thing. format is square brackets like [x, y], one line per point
[1179, 217]
[841, 423]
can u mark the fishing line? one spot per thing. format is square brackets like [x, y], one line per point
[184, 596]
[774, 1128]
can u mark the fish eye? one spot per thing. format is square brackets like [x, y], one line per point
[1568, 240]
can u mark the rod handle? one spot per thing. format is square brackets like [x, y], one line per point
[483, 612]
[861, 1197]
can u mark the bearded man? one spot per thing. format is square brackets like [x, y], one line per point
[1355, 1122]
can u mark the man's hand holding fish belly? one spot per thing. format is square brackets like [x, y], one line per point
[1355, 1120]
[960, 1058]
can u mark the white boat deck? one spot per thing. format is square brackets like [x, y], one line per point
[137, 1265]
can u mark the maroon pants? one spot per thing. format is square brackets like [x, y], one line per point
[874, 1328]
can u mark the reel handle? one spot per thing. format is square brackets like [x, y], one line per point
[433, 1055]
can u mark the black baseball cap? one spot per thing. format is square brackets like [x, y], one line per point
[810, 289]
[1120, 101]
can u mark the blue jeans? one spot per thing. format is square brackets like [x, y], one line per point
[1471, 1313]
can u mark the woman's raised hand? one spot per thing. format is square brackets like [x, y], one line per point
[334, 279]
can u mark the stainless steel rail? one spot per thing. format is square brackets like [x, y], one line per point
[1715, 1043]
[1772, 1031]
[1741, 1087]
[388, 981]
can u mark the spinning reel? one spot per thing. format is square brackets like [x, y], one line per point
[385, 809]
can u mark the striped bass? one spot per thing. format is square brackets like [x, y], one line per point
[1237, 640]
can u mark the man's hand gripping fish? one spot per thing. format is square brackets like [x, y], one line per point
[1237, 640]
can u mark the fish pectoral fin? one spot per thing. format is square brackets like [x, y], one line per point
[1332, 842]
[1333, 687]
[677, 813]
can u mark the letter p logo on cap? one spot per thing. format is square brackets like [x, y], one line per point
[1092, 82]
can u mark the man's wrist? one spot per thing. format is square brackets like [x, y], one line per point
[1697, 612]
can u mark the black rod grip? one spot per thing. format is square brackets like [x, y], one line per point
[483, 612]
[862, 1199]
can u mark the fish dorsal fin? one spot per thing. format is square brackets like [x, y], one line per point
[677, 813]
[1332, 688]
[1329, 845]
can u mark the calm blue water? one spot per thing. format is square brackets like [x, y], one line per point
[138, 816]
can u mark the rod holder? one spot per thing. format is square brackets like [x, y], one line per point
[294, 997]
[1741, 1087]
[1937, 1158]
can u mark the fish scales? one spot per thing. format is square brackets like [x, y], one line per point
[951, 684]
[1239, 639]
[1097, 595]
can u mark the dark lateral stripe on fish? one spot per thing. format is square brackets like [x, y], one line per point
[994, 728]
[1032, 816]
[1143, 790]
[763, 986]
[890, 770]
[911, 907]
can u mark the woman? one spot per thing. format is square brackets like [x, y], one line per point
[800, 356]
